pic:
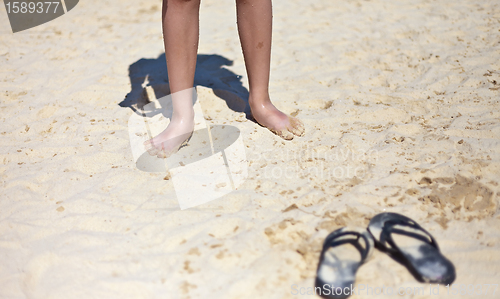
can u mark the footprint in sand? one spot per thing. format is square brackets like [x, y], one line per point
[461, 194]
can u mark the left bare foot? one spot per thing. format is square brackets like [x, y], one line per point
[267, 115]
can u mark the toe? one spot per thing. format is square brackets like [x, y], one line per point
[296, 126]
[153, 151]
[148, 144]
[161, 155]
[161, 152]
[285, 134]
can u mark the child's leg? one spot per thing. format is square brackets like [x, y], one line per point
[255, 29]
[180, 34]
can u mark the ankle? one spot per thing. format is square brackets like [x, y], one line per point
[259, 99]
[186, 115]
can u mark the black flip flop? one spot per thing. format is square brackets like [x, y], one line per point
[344, 250]
[407, 242]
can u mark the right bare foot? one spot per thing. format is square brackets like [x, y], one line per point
[172, 138]
[179, 129]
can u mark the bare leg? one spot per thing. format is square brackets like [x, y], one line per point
[255, 30]
[180, 34]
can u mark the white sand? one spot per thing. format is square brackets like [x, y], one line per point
[414, 85]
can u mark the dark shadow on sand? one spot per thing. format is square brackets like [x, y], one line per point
[210, 73]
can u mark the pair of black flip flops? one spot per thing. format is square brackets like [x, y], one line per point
[399, 236]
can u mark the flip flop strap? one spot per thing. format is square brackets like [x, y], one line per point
[330, 242]
[389, 229]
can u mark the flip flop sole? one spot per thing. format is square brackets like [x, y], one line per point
[344, 251]
[413, 246]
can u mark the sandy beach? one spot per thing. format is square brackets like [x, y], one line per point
[401, 105]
